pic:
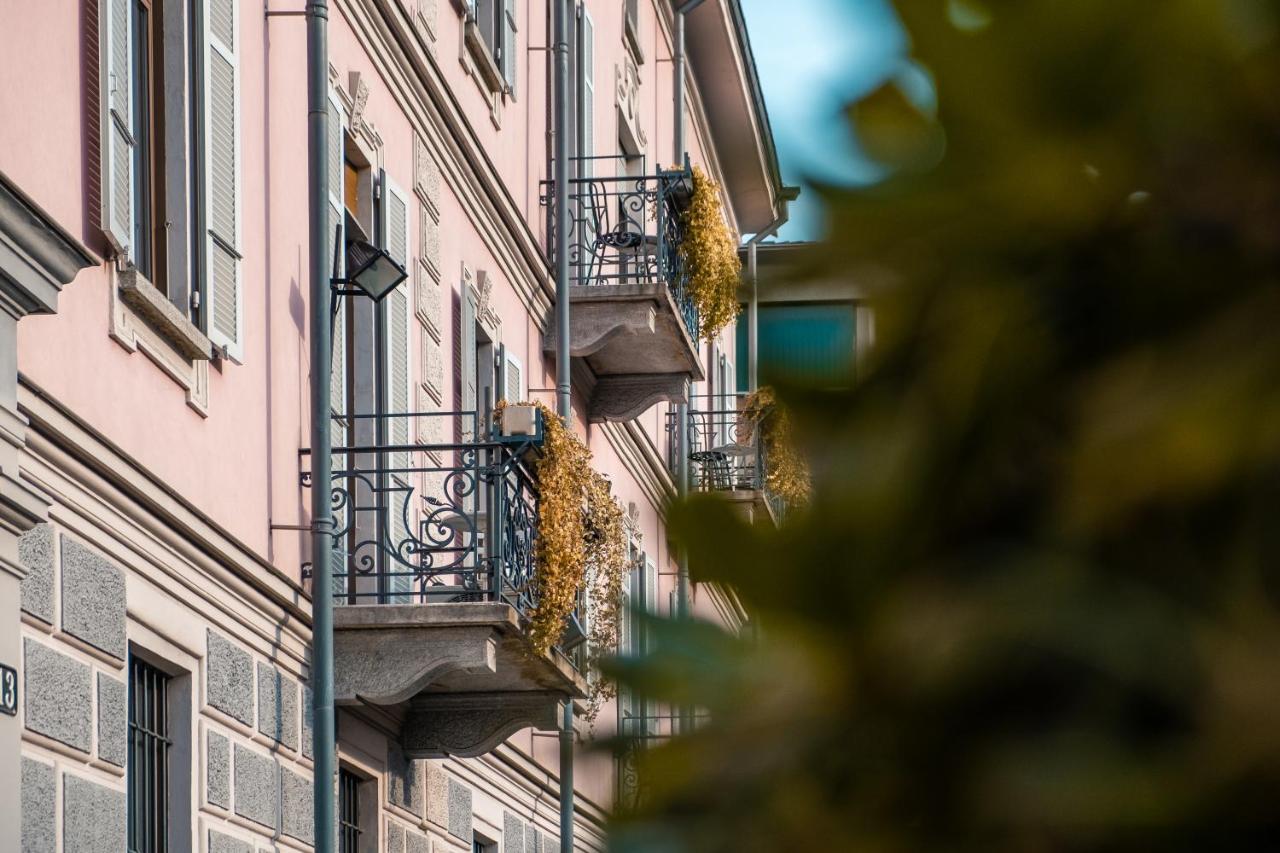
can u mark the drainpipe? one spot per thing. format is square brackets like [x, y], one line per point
[317, 15]
[682, 409]
[786, 196]
[561, 202]
[563, 397]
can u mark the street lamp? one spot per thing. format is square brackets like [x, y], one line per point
[373, 272]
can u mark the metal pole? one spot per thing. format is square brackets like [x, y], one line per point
[566, 776]
[563, 398]
[325, 769]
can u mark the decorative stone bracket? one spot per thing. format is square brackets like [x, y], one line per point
[623, 398]
[470, 724]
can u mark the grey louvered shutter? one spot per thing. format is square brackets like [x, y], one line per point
[396, 223]
[509, 50]
[338, 376]
[467, 360]
[588, 88]
[223, 285]
[512, 389]
[651, 607]
[115, 49]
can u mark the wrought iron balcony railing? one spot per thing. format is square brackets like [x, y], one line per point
[724, 448]
[626, 228]
[450, 517]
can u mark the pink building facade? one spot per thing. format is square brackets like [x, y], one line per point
[154, 386]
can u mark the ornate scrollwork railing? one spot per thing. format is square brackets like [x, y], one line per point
[435, 520]
[626, 226]
[723, 444]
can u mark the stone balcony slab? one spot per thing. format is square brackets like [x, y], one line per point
[634, 340]
[461, 675]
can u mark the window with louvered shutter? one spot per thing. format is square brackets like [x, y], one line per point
[588, 54]
[117, 141]
[223, 285]
[512, 379]
[396, 234]
[467, 360]
[396, 401]
[510, 51]
[650, 606]
[338, 376]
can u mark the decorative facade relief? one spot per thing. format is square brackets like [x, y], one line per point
[429, 305]
[484, 301]
[426, 176]
[630, 126]
[432, 373]
[359, 99]
[425, 21]
[429, 242]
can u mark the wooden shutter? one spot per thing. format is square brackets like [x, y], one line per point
[338, 380]
[588, 89]
[222, 272]
[509, 50]
[467, 359]
[512, 389]
[398, 391]
[651, 607]
[115, 49]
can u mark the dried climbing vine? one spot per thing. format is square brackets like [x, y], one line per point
[580, 556]
[787, 475]
[710, 255]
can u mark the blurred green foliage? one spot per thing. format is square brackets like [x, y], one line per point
[1034, 604]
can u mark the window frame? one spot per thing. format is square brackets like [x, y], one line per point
[143, 746]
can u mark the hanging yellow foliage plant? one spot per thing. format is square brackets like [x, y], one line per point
[710, 254]
[787, 473]
[580, 552]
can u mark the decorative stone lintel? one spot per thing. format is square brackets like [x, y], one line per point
[469, 724]
[623, 398]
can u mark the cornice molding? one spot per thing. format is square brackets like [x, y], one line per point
[80, 469]
[37, 256]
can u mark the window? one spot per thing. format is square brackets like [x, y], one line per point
[480, 844]
[148, 89]
[148, 760]
[348, 812]
[631, 30]
[170, 153]
[640, 595]
[812, 342]
[495, 31]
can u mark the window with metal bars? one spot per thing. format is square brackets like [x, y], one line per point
[148, 762]
[348, 812]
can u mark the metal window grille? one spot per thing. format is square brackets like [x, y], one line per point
[148, 767]
[348, 812]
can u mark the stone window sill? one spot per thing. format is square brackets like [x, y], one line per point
[163, 316]
[483, 59]
[143, 320]
[632, 39]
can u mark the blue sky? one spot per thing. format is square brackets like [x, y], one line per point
[813, 57]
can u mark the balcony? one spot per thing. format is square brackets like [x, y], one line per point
[631, 321]
[726, 455]
[436, 517]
